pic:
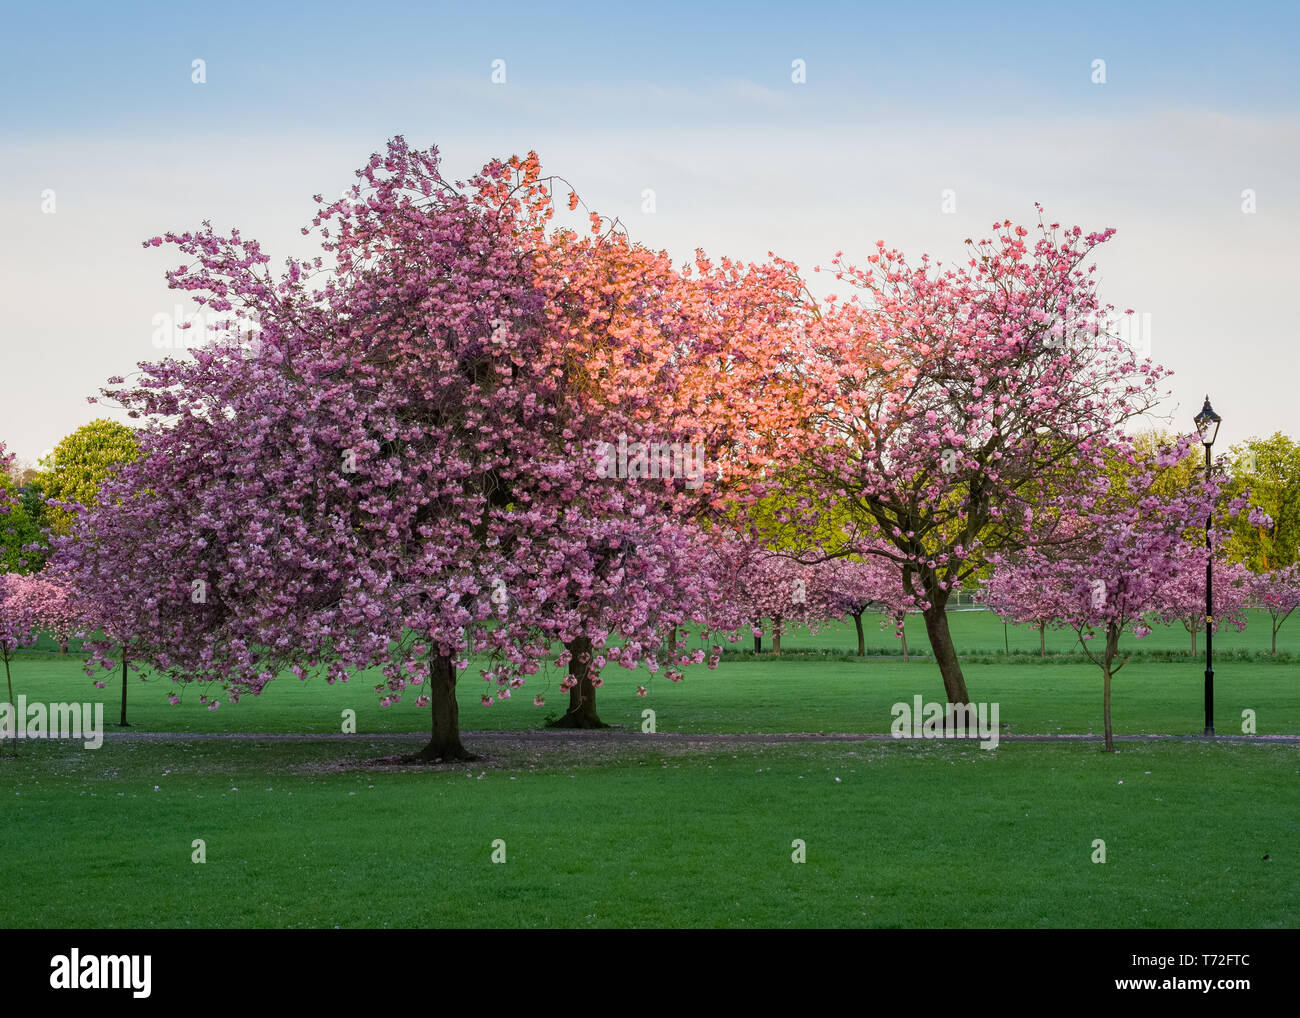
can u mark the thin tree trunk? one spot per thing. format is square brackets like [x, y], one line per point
[582, 695]
[1275, 628]
[12, 702]
[444, 739]
[862, 640]
[776, 641]
[1193, 641]
[1042, 640]
[123, 723]
[1006, 640]
[1112, 648]
[1110, 742]
[936, 627]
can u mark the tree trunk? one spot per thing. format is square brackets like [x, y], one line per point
[1042, 640]
[758, 637]
[776, 641]
[444, 739]
[12, 702]
[1110, 743]
[862, 640]
[1193, 641]
[1274, 652]
[1112, 649]
[1006, 640]
[582, 696]
[123, 723]
[936, 627]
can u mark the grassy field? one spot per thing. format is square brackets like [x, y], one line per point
[679, 830]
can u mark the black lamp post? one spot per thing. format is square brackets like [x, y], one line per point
[1207, 426]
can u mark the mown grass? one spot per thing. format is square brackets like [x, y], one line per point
[646, 831]
[794, 693]
[911, 835]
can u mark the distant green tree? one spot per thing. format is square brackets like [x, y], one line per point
[24, 525]
[81, 463]
[1270, 469]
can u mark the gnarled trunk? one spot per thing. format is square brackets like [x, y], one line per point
[444, 740]
[582, 695]
[936, 627]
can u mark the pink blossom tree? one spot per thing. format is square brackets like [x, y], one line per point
[771, 586]
[1129, 549]
[1182, 598]
[1017, 594]
[385, 477]
[1278, 594]
[855, 586]
[29, 606]
[952, 409]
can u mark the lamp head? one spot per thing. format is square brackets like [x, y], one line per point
[1207, 424]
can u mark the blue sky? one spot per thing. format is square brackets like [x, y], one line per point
[901, 103]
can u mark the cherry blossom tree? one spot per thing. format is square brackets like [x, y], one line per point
[29, 606]
[655, 353]
[1112, 578]
[387, 475]
[855, 586]
[1278, 594]
[952, 410]
[1017, 594]
[769, 586]
[1182, 599]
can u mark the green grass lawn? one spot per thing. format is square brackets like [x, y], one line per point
[757, 694]
[912, 835]
[673, 832]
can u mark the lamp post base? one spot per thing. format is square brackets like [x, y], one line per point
[1209, 731]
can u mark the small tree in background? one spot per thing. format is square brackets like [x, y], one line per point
[1278, 594]
[24, 532]
[72, 474]
[29, 606]
[854, 586]
[1113, 576]
[1017, 594]
[1182, 598]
